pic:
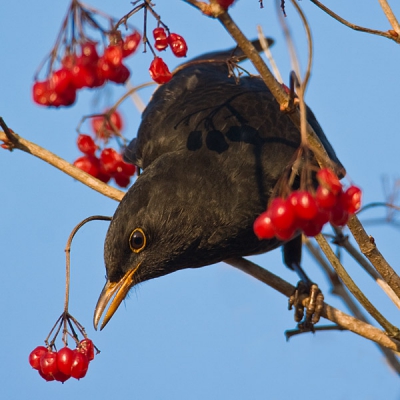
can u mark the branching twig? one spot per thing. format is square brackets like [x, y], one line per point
[387, 35]
[64, 166]
[344, 320]
[390, 15]
[340, 290]
[357, 293]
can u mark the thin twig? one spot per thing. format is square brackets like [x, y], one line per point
[340, 290]
[390, 15]
[344, 320]
[353, 26]
[343, 241]
[357, 293]
[64, 166]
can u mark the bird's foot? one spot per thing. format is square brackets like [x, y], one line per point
[308, 302]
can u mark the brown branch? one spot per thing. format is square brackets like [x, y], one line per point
[64, 166]
[390, 15]
[357, 293]
[340, 290]
[387, 35]
[342, 319]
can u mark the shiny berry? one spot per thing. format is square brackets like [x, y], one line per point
[281, 213]
[130, 44]
[80, 365]
[109, 159]
[34, 357]
[159, 71]
[88, 164]
[48, 363]
[65, 357]
[351, 199]
[325, 198]
[86, 144]
[86, 347]
[263, 227]
[178, 45]
[304, 204]
[327, 178]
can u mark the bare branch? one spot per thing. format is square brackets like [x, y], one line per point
[387, 35]
[64, 166]
[342, 319]
[390, 15]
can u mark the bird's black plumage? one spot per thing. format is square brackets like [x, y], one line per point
[212, 148]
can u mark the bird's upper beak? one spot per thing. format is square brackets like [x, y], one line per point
[116, 292]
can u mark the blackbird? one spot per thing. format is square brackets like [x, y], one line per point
[212, 147]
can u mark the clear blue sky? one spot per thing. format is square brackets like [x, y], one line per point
[211, 333]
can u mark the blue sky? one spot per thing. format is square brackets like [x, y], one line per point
[211, 333]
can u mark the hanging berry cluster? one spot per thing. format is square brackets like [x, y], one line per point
[308, 210]
[66, 363]
[61, 365]
[81, 61]
[104, 163]
[159, 71]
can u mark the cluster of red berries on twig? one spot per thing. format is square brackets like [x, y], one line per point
[80, 61]
[159, 71]
[86, 69]
[65, 363]
[309, 211]
[102, 162]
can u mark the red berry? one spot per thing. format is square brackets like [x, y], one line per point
[47, 377]
[351, 199]
[119, 74]
[83, 76]
[178, 45]
[89, 53]
[285, 234]
[103, 129]
[65, 357]
[310, 227]
[60, 377]
[48, 363]
[159, 71]
[263, 227]
[338, 215]
[40, 91]
[159, 33]
[126, 168]
[109, 159]
[89, 164]
[36, 354]
[113, 55]
[225, 3]
[281, 213]
[327, 178]
[122, 180]
[325, 198]
[86, 144]
[303, 204]
[86, 347]
[60, 80]
[130, 44]
[80, 365]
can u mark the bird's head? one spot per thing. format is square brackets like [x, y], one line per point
[165, 223]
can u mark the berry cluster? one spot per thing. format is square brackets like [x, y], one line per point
[63, 364]
[159, 71]
[307, 211]
[105, 163]
[87, 69]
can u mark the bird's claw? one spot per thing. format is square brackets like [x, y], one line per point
[308, 302]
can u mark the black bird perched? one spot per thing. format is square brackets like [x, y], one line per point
[212, 148]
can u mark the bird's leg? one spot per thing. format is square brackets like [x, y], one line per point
[307, 294]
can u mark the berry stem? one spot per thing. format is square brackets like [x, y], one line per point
[68, 258]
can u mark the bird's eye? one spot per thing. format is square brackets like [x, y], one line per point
[137, 240]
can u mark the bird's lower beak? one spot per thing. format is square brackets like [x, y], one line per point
[117, 289]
